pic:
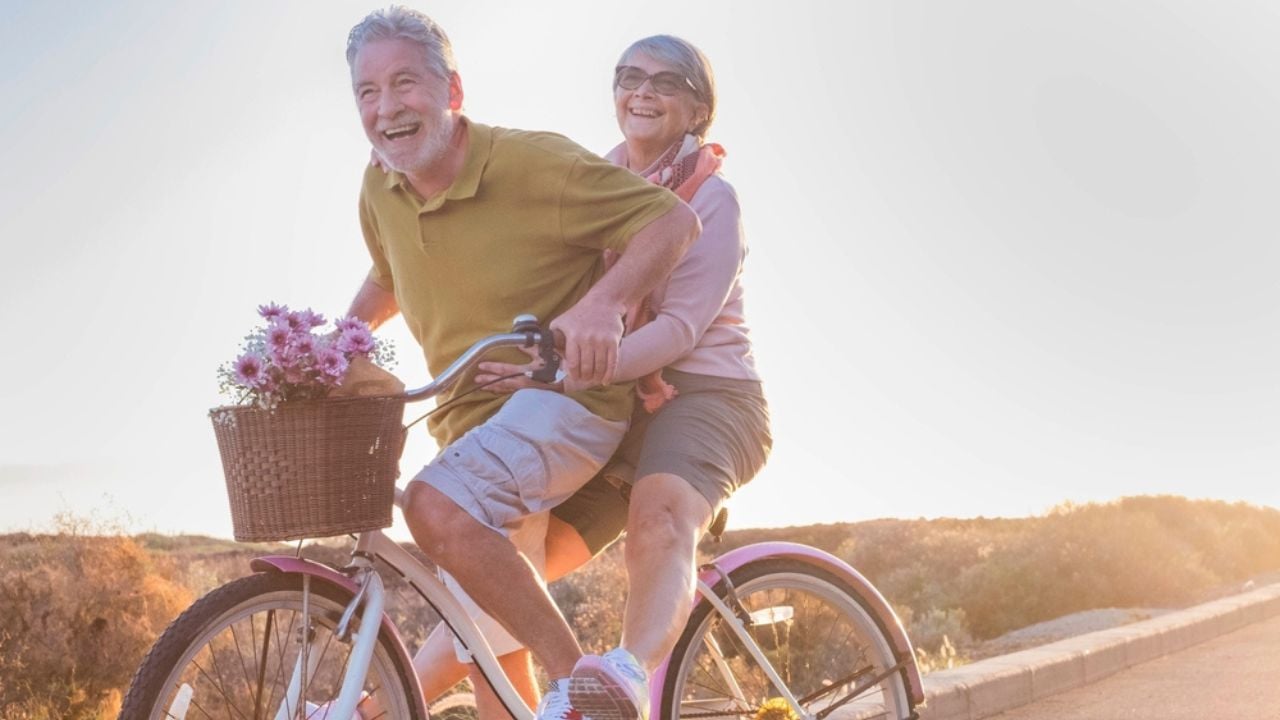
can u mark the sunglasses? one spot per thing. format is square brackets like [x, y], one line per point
[663, 83]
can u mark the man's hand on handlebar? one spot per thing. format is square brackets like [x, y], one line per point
[592, 333]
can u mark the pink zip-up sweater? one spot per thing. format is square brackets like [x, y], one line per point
[700, 325]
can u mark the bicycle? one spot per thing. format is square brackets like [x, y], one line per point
[779, 631]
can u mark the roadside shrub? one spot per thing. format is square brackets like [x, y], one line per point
[1160, 551]
[77, 613]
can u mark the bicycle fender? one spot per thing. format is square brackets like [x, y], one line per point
[302, 566]
[871, 597]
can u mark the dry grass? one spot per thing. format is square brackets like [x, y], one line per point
[79, 609]
[77, 614]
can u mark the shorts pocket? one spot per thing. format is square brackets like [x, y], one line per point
[501, 471]
[518, 466]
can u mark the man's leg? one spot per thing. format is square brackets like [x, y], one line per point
[566, 550]
[475, 555]
[437, 664]
[518, 667]
[536, 451]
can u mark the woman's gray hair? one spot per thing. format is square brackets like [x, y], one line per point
[399, 22]
[686, 60]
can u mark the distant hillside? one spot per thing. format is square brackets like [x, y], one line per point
[983, 577]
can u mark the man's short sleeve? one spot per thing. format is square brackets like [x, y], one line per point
[603, 205]
[380, 273]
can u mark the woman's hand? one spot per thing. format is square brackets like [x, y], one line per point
[492, 371]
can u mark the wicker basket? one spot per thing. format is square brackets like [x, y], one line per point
[310, 468]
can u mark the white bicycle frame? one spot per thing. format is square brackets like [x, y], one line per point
[372, 596]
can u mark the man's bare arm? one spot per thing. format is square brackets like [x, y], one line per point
[373, 304]
[593, 326]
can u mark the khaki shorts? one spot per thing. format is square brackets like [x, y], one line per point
[537, 450]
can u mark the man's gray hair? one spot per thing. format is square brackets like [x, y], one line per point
[399, 22]
[688, 61]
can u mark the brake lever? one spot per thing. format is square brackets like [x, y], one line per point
[550, 371]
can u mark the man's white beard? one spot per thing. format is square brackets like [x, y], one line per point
[433, 146]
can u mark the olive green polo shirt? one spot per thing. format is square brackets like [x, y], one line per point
[520, 230]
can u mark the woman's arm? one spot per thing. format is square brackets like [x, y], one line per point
[694, 298]
[697, 290]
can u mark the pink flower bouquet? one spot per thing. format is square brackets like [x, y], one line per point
[289, 358]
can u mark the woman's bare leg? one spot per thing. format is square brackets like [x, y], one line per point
[666, 519]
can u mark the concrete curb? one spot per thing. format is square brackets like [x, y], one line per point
[991, 686]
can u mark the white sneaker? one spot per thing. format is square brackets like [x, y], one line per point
[613, 686]
[555, 704]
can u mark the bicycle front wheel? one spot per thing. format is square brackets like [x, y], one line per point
[827, 649]
[261, 647]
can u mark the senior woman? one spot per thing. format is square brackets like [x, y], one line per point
[701, 428]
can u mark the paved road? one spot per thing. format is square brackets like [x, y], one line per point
[1233, 676]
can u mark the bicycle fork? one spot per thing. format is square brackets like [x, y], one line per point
[372, 595]
[739, 620]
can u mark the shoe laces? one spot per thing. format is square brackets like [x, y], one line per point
[625, 663]
[555, 705]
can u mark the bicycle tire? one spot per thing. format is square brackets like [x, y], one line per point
[222, 649]
[826, 637]
[455, 706]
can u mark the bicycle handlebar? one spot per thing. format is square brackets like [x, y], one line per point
[525, 332]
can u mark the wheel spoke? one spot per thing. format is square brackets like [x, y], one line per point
[197, 706]
[231, 705]
[261, 661]
[825, 648]
[217, 685]
[224, 646]
[244, 671]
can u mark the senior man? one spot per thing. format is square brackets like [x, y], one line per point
[472, 226]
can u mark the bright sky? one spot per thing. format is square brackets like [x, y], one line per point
[1004, 254]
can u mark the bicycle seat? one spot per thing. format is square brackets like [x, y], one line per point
[716, 529]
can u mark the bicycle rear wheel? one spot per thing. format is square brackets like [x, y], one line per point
[827, 648]
[237, 650]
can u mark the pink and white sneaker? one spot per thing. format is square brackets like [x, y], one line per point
[613, 686]
[555, 704]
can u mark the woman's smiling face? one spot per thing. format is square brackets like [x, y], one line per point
[649, 118]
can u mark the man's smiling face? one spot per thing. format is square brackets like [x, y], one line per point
[404, 106]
